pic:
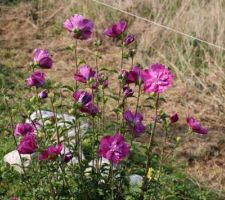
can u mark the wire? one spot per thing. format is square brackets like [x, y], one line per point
[160, 25]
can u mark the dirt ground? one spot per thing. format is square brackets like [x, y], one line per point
[26, 26]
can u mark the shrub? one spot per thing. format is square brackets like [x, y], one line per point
[92, 153]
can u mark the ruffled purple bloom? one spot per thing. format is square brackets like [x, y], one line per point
[174, 117]
[42, 58]
[43, 94]
[116, 29]
[80, 27]
[114, 148]
[27, 144]
[23, 129]
[51, 153]
[67, 157]
[82, 97]
[128, 39]
[127, 91]
[157, 78]
[85, 74]
[90, 109]
[196, 126]
[36, 79]
[135, 122]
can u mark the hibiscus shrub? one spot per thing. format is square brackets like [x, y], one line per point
[93, 153]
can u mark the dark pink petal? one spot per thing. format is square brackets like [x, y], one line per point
[116, 29]
[196, 126]
[36, 79]
[23, 128]
[114, 148]
[27, 144]
[157, 78]
[51, 152]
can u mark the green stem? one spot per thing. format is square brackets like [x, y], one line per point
[150, 143]
[76, 60]
[27, 180]
[138, 98]
[123, 110]
[112, 182]
[132, 61]
[56, 120]
[120, 85]
[39, 109]
[163, 152]
[103, 109]
[96, 59]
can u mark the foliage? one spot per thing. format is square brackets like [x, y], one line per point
[106, 154]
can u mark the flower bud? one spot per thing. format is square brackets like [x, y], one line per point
[43, 94]
[178, 139]
[174, 117]
[128, 39]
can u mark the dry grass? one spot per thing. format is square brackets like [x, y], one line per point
[199, 68]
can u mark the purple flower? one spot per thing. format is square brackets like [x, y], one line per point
[80, 27]
[67, 157]
[43, 94]
[128, 39]
[23, 128]
[116, 29]
[174, 117]
[27, 144]
[127, 91]
[100, 80]
[82, 97]
[42, 58]
[105, 84]
[135, 122]
[157, 78]
[51, 152]
[137, 69]
[132, 76]
[196, 126]
[90, 109]
[114, 148]
[85, 74]
[36, 79]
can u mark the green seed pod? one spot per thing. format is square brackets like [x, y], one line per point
[178, 139]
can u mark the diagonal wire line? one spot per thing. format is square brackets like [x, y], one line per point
[160, 25]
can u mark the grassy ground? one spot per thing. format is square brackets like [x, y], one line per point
[199, 68]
